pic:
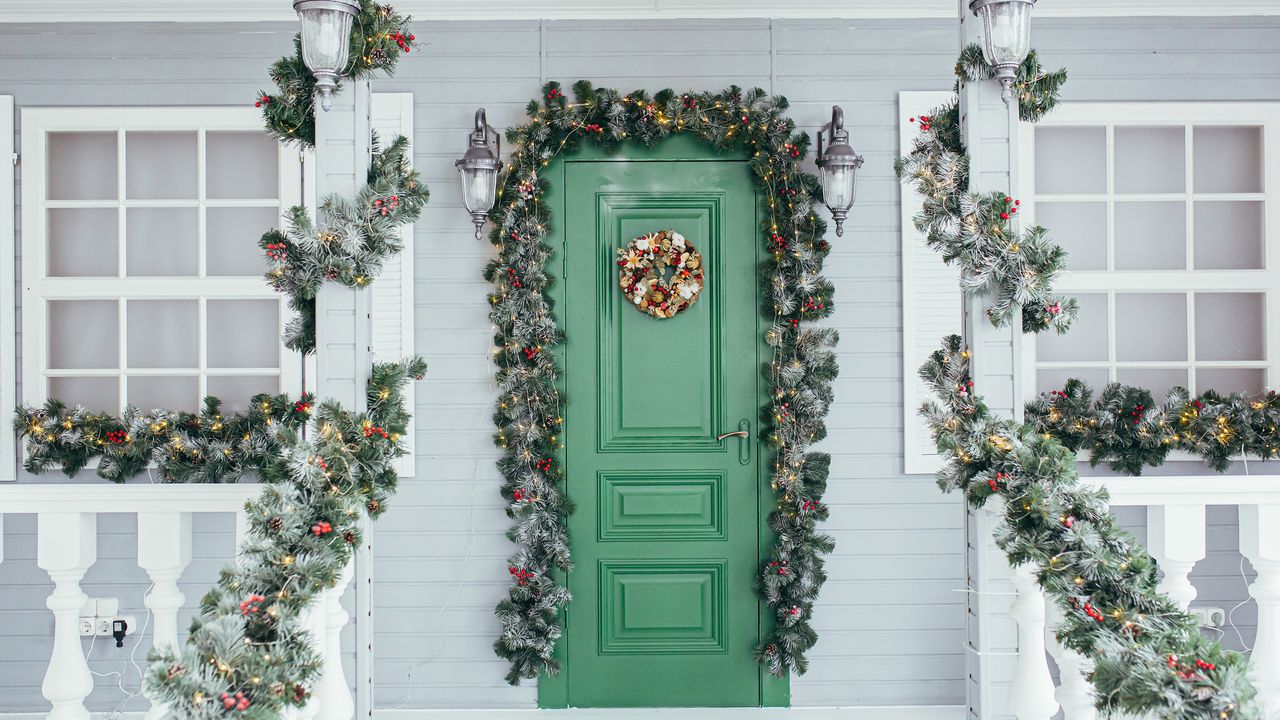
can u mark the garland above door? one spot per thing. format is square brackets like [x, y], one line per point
[529, 414]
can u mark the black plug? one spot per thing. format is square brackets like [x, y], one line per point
[118, 630]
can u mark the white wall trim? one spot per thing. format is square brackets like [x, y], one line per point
[8, 317]
[46, 11]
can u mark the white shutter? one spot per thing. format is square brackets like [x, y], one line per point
[932, 304]
[9, 359]
[392, 292]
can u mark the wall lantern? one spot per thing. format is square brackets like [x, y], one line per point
[326, 41]
[479, 169]
[838, 165]
[1006, 37]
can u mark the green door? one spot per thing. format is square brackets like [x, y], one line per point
[666, 533]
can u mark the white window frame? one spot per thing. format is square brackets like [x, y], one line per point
[1185, 115]
[9, 359]
[39, 288]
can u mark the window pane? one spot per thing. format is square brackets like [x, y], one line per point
[1071, 160]
[82, 166]
[1151, 326]
[83, 242]
[231, 240]
[163, 334]
[1229, 235]
[1056, 378]
[161, 242]
[101, 395]
[164, 392]
[1228, 159]
[1158, 380]
[244, 333]
[1252, 381]
[83, 334]
[160, 165]
[235, 390]
[1229, 326]
[1151, 236]
[1150, 160]
[241, 165]
[1080, 228]
[1087, 340]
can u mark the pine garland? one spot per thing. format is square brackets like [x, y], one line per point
[528, 414]
[247, 650]
[207, 447]
[378, 36]
[1127, 430]
[350, 243]
[1015, 268]
[1149, 658]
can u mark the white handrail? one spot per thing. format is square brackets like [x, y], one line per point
[103, 497]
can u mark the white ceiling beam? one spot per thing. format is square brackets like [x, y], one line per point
[47, 11]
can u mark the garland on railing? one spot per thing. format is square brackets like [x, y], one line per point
[1016, 269]
[352, 241]
[378, 36]
[247, 650]
[1126, 429]
[1148, 656]
[207, 447]
[528, 415]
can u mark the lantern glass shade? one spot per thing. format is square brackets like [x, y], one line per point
[479, 188]
[326, 41]
[839, 186]
[1007, 29]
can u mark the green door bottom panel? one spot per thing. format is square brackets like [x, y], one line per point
[667, 534]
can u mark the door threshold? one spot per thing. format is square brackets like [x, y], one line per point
[928, 712]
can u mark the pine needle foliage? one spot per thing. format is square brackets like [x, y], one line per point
[204, 447]
[1149, 658]
[977, 231]
[1125, 428]
[349, 243]
[248, 645]
[379, 35]
[529, 410]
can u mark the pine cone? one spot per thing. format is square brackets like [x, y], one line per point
[378, 56]
[275, 523]
[175, 670]
[350, 537]
[277, 689]
[374, 506]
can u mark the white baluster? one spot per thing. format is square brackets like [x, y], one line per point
[1175, 538]
[66, 547]
[1260, 542]
[332, 692]
[1031, 697]
[1075, 692]
[164, 551]
[314, 620]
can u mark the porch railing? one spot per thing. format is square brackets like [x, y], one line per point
[1176, 539]
[66, 547]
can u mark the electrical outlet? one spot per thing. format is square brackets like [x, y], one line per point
[1210, 617]
[86, 626]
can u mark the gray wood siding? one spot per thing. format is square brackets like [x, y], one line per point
[891, 619]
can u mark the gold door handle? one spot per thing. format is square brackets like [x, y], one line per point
[739, 433]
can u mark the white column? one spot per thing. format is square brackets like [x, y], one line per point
[332, 693]
[164, 551]
[1032, 694]
[313, 621]
[1260, 542]
[66, 547]
[1175, 538]
[1075, 693]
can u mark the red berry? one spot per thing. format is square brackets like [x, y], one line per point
[1004, 216]
[912, 120]
[412, 38]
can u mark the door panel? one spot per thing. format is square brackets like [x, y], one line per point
[666, 532]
